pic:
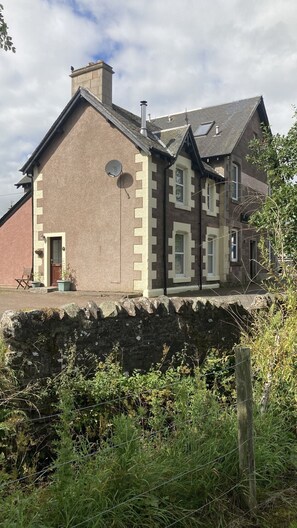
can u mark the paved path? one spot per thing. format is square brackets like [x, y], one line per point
[13, 299]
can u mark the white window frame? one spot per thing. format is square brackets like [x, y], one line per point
[234, 245]
[214, 234]
[235, 182]
[180, 228]
[178, 253]
[188, 184]
[182, 185]
[210, 196]
[213, 255]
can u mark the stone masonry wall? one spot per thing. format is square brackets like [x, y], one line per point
[138, 331]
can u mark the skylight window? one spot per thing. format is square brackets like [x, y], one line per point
[204, 128]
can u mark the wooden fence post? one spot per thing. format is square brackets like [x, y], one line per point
[245, 422]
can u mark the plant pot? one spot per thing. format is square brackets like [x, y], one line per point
[35, 284]
[64, 285]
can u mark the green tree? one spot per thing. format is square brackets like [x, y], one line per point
[5, 40]
[277, 218]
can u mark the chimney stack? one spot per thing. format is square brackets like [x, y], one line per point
[143, 130]
[97, 77]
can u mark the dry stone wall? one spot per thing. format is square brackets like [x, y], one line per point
[138, 332]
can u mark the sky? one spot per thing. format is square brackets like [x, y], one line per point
[176, 54]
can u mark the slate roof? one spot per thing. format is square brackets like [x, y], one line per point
[167, 142]
[231, 118]
[125, 121]
[172, 138]
[25, 180]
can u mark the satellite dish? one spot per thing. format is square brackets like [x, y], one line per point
[113, 168]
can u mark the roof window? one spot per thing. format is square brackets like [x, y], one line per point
[204, 128]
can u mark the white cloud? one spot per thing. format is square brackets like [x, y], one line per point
[176, 54]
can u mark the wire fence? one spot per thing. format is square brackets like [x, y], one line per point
[114, 400]
[77, 461]
[154, 488]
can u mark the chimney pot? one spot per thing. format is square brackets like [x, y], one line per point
[143, 130]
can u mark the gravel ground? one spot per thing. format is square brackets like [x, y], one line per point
[13, 299]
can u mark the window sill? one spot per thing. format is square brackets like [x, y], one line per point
[178, 280]
[182, 206]
[211, 213]
[213, 277]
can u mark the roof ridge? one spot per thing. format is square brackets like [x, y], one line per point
[207, 107]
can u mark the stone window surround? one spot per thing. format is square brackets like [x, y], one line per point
[215, 210]
[211, 232]
[235, 182]
[184, 229]
[189, 189]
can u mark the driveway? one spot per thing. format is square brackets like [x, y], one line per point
[13, 299]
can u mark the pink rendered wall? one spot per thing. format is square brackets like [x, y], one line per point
[16, 245]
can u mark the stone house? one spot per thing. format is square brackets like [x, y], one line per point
[222, 134]
[145, 206]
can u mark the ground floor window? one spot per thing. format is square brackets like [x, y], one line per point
[181, 246]
[180, 239]
[234, 245]
[211, 255]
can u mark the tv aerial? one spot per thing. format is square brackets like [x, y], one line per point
[113, 168]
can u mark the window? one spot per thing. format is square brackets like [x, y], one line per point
[235, 182]
[182, 183]
[204, 128]
[234, 246]
[180, 186]
[211, 256]
[210, 197]
[179, 254]
[181, 257]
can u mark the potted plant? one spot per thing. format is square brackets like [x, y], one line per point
[64, 284]
[36, 282]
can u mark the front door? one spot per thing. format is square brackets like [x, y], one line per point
[56, 259]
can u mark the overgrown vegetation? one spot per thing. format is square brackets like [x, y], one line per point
[276, 220]
[156, 449]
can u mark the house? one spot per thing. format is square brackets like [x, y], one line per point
[145, 206]
[222, 134]
[16, 240]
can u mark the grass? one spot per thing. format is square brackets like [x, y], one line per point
[165, 453]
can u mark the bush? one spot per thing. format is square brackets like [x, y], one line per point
[150, 450]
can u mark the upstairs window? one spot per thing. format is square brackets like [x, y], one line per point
[234, 246]
[180, 192]
[210, 197]
[203, 129]
[235, 182]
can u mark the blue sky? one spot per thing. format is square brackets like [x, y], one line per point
[175, 54]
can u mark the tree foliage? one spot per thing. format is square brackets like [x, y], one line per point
[277, 219]
[5, 40]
